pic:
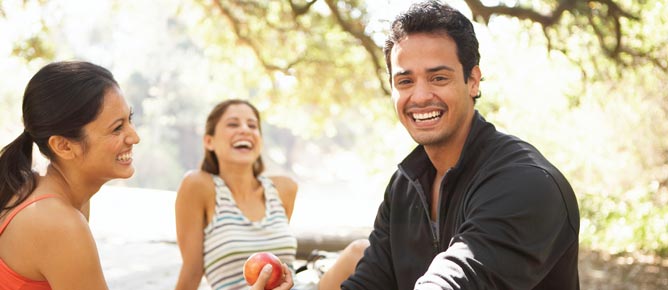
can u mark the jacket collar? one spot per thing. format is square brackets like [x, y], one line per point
[417, 162]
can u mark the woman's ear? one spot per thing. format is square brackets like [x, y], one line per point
[63, 148]
[208, 140]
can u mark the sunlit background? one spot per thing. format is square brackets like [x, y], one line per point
[327, 119]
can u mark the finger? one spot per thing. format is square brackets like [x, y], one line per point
[287, 274]
[262, 278]
[287, 279]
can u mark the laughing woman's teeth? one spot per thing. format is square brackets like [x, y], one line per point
[124, 157]
[242, 144]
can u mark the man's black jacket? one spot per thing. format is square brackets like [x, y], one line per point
[508, 220]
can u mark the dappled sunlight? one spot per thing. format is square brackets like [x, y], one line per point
[328, 122]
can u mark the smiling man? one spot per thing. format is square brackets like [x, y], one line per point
[470, 207]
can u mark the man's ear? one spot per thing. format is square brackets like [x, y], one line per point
[63, 148]
[474, 81]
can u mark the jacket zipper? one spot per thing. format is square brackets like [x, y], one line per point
[434, 236]
[443, 200]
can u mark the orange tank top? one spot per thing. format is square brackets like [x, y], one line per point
[10, 280]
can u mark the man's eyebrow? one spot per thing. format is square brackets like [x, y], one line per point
[429, 70]
[440, 67]
[402, 73]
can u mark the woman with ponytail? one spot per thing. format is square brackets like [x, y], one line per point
[76, 115]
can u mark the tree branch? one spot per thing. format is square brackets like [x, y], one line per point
[234, 23]
[300, 10]
[603, 26]
[369, 45]
[616, 10]
[658, 62]
[483, 12]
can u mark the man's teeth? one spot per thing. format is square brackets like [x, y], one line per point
[242, 144]
[426, 116]
[124, 157]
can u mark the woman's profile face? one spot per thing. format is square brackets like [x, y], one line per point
[236, 138]
[109, 140]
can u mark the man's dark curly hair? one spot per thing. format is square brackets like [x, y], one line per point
[435, 17]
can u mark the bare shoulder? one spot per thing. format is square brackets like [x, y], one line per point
[51, 228]
[285, 185]
[69, 221]
[44, 210]
[195, 181]
[197, 176]
[196, 188]
[287, 192]
[57, 235]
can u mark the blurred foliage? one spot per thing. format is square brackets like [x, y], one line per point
[33, 48]
[582, 80]
[603, 29]
[300, 56]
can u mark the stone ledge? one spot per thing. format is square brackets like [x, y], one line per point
[327, 239]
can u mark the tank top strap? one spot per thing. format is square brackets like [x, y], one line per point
[20, 207]
[268, 185]
[222, 191]
[217, 180]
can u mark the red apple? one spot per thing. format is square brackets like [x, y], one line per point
[254, 265]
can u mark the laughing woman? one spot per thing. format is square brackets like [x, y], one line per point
[228, 209]
[77, 115]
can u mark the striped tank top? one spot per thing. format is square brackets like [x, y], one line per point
[231, 237]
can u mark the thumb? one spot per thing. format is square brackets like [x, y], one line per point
[266, 271]
[263, 277]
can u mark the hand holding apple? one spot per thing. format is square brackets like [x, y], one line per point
[272, 277]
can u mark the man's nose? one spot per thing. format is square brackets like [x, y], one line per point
[422, 91]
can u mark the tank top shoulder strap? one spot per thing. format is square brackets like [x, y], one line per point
[270, 190]
[217, 181]
[20, 207]
[221, 188]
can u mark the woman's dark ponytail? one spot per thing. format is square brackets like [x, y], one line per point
[16, 174]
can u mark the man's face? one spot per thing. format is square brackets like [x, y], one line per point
[430, 96]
